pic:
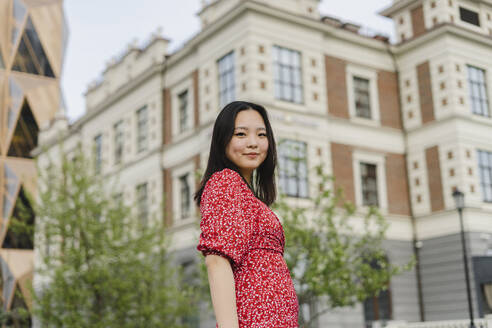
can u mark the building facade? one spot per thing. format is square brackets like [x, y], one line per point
[399, 125]
[33, 36]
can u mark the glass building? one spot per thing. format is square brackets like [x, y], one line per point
[33, 36]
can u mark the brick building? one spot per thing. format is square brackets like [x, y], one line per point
[400, 125]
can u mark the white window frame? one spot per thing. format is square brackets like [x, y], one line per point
[279, 181]
[187, 181]
[371, 75]
[229, 94]
[380, 162]
[119, 124]
[176, 190]
[277, 64]
[481, 183]
[186, 110]
[98, 153]
[143, 145]
[470, 90]
[186, 85]
[147, 202]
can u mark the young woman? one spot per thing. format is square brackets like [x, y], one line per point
[241, 238]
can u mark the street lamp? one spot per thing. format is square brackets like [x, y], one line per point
[459, 199]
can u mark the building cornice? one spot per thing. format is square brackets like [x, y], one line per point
[120, 93]
[404, 4]
[56, 139]
[99, 109]
[209, 5]
[254, 6]
[397, 6]
[134, 49]
[133, 162]
[190, 46]
[475, 123]
[437, 32]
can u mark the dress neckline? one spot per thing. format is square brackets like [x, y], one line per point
[256, 198]
[247, 185]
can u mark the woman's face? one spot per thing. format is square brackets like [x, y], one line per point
[248, 147]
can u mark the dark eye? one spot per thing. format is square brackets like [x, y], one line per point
[263, 135]
[240, 134]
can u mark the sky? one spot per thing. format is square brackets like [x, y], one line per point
[100, 30]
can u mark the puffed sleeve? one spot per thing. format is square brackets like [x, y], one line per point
[226, 226]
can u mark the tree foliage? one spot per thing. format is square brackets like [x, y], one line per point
[100, 265]
[328, 257]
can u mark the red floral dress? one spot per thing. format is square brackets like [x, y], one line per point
[238, 226]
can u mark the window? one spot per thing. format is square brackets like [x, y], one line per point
[369, 184]
[26, 132]
[469, 16]
[23, 215]
[118, 142]
[142, 129]
[98, 153]
[478, 91]
[487, 295]
[362, 97]
[183, 111]
[293, 177]
[188, 270]
[185, 196]
[362, 94]
[30, 57]
[287, 74]
[142, 204]
[226, 79]
[378, 308]
[189, 277]
[485, 169]
[369, 178]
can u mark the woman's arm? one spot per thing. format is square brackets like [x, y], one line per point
[222, 290]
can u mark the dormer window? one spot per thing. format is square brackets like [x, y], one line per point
[469, 16]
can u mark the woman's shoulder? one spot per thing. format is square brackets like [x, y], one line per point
[225, 178]
[223, 185]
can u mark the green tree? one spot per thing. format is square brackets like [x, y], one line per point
[329, 259]
[101, 266]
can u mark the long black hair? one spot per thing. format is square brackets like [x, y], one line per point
[263, 184]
